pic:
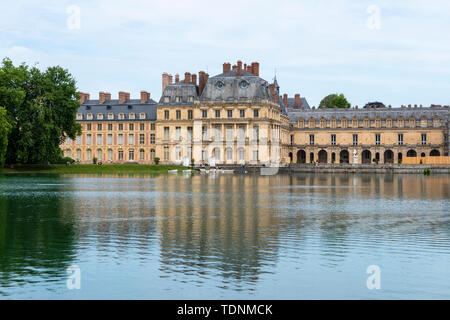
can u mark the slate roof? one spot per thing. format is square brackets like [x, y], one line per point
[112, 106]
[234, 87]
[303, 103]
[372, 114]
[187, 93]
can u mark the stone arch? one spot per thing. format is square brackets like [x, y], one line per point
[344, 156]
[435, 153]
[411, 153]
[366, 157]
[291, 157]
[301, 156]
[311, 157]
[323, 156]
[388, 156]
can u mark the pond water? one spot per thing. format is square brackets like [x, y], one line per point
[303, 236]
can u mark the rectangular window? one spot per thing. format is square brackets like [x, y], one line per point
[177, 133]
[131, 155]
[218, 133]
[166, 133]
[131, 139]
[230, 113]
[255, 133]
[217, 113]
[110, 126]
[355, 139]
[204, 114]
[131, 126]
[152, 138]
[120, 138]
[311, 139]
[89, 139]
[142, 138]
[89, 127]
[152, 126]
[333, 139]
[292, 139]
[255, 155]
[142, 127]
[229, 131]
[424, 138]
[99, 127]
[166, 153]
[99, 139]
[166, 114]
[120, 126]
[178, 114]
[78, 139]
[256, 113]
[241, 132]
[400, 139]
[189, 134]
[204, 133]
[242, 113]
[377, 139]
[120, 155]
[190, 115]
[110, 138]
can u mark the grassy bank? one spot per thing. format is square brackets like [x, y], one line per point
[92, 168]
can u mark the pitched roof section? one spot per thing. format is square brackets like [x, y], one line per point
[230, 86]
[112, 106]
[180, 93]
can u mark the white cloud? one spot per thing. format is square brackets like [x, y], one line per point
[311, 43]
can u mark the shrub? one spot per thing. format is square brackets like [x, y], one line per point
[156, 160]
[94, 161]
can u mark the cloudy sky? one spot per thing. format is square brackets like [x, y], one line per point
[397, 52]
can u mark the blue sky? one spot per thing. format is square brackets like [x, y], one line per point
[397, 52]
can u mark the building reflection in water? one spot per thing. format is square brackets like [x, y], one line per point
[229, 229]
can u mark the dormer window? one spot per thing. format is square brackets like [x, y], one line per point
[100, 116]
[243, 84]
[166, 99]
[110, 116]
[79, 116]
[121, 116]
[191, 99]
[177, 99]
[131, 115]
[89, 116]
[219, 85]
[142, 115]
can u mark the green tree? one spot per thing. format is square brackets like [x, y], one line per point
[43, 106]
[333, 100]
[5, 128]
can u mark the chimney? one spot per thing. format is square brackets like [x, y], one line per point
[255, 68]
[249, 69]
[101, 97]
[194, 79]
[107, 96]
[239, 68]
[226, 67]
[297, 101]
[123, 96]
[285, 99]
[145, 96]
[187, 77]
[177, 78]
[234, 67]
[201, 81]
[83, 97]
[165, 80]
[170, 79]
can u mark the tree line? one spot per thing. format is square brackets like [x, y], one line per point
[37, 113]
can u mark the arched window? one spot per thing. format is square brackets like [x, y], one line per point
[142, 154]
[229, 154]
[152, 154]
[110, 155]
[241, 154]
[99, 154]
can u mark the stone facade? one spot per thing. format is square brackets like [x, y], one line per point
[237, 117]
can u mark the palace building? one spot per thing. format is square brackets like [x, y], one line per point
[237, 117]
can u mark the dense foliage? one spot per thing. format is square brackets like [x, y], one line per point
[5, 128]
[334, 100]
[41, 108]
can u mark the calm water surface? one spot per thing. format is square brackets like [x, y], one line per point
[224, 236]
